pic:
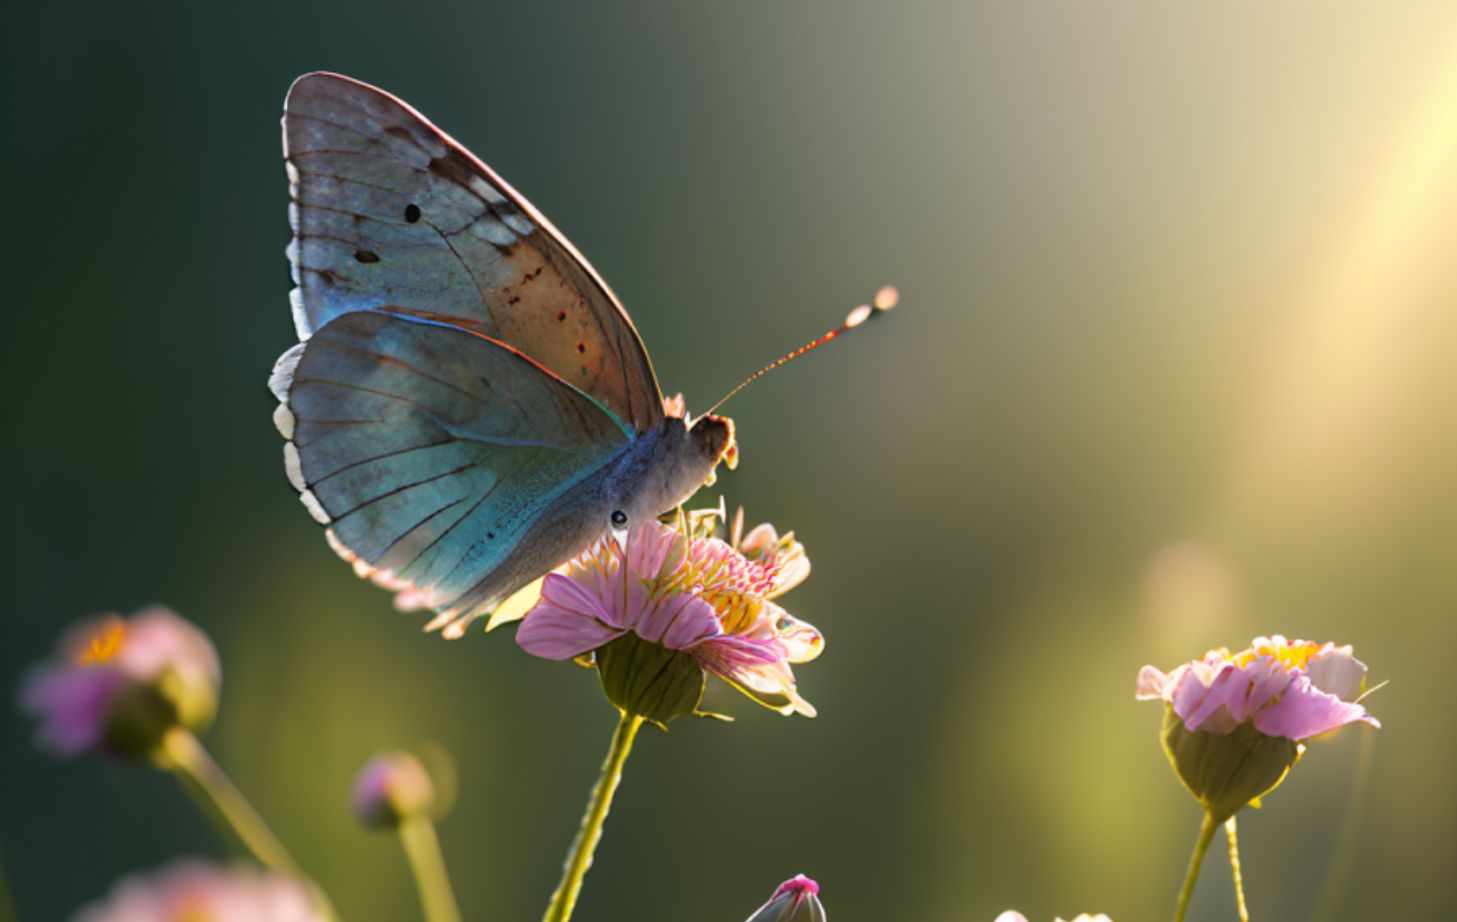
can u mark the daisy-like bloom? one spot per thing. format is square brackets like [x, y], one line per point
[662, 607]
[120, 683]
[1294, 689]
[196, 891]
[796, 900]
[1235, 723]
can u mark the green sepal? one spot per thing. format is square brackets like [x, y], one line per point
[137, 719]
[1226, 771]
[141, 713]
[649, 680]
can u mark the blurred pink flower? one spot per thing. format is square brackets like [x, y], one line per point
[796, 900]
[1012, 915]
[708, 598]
[99, 665]
[1294, 689]
[195, 891]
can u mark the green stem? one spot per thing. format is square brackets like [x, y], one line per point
[1239, 881]
[564, 900]
[1201, 845]
[422, 850]
[182, 754]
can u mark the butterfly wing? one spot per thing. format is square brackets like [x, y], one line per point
[389, 210]
[446, 465]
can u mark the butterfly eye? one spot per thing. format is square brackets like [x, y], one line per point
[619, 518]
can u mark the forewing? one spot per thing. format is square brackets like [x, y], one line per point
[431, 451]
[389, 210]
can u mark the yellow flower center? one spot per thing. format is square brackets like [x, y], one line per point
[1291, 656]
[104, 644]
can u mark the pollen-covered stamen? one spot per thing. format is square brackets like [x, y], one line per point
[1289, 654]
[737, 612]
[104, 644]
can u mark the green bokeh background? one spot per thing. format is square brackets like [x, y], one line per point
[1174, 367]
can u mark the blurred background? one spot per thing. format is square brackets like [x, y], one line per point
[1174, 367]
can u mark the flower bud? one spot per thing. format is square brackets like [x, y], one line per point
[796, 900]
[390, 788]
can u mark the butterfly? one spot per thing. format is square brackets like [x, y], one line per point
[469, 405]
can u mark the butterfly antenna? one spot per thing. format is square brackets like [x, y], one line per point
[885, 299]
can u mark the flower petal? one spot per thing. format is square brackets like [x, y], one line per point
[1201, 695]
[1304, 711]
[678, 621]
[756, 667]
[71, 703]
[801, 640]
[567, 622]
[1335, 671]
[1152, 683]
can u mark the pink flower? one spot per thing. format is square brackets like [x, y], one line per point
[1293, 689]
[192, 890]
[694, 594]
[96, 687]
[796, 900]
[1012, 915]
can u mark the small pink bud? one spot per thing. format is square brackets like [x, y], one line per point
[796, 900]
[392, 787]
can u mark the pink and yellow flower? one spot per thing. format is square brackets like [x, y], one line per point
[121, 682]
[684, 591]
[195, 891]
[1294, 689]
[1234, 723]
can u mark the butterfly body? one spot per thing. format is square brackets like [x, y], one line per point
[469, 406]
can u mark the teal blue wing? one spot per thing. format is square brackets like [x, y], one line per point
[432, 453]
[389, 210]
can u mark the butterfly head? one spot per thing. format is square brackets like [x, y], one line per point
[666, 465]
[713, 437]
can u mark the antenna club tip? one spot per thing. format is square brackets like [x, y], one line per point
[887, 297]
[857, 316]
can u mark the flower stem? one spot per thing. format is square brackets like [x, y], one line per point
[422, 850]
[1239, 882]
[183, 754]
[564, 900]
[1201, 845]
